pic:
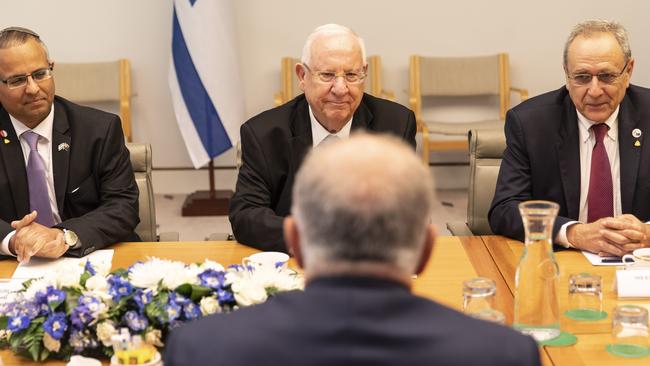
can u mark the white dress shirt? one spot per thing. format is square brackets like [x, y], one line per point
[587, 142]
[319, 133]
[44, 129]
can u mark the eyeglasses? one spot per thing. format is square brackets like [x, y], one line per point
[605, 77]
[350, 77]
[21, 80]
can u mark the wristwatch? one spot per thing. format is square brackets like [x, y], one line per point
[71, 239]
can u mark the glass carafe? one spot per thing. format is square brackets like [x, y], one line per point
[537, 311]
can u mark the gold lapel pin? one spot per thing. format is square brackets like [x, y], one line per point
[63, 146]
[637, 143]
[6, 141]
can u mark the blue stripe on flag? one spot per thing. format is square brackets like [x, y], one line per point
[203, 113]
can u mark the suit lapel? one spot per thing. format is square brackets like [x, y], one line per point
[14, 162]
[628, 120]
[301, 141]
[362, 117]
[568, 149]
[60, 158]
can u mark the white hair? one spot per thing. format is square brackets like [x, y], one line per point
[330, 30]
[589, 27]
[364, 199]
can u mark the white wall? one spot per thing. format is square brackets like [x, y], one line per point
[532, 32]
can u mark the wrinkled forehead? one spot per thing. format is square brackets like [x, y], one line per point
[595, 47]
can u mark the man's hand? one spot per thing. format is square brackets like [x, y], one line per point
[609, 236]
[33, 239]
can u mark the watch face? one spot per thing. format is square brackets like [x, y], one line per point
[70, 238]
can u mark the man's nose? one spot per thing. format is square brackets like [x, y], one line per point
[339, 86]
[32, 86]
[594, 89]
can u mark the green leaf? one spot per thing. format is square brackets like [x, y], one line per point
[4, 321]
[44, 354]
[194, 292]
[84, 277]
[34, 350]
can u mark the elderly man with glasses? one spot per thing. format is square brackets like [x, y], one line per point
[332, 72]
[66, 182]
[583, 147]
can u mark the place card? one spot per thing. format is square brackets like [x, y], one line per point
[633, 282]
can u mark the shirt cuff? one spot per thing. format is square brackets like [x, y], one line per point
[561, 237]
[4, 247]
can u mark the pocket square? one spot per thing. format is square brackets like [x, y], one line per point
[63, 146]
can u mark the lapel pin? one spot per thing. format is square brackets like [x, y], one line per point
[6, 141]
[3, 133]
[637, 143]
[63, 146]
[636, 133]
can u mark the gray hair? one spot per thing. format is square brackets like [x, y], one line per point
[16, 36]
[589, 27]
[329, 29]
[364, 199]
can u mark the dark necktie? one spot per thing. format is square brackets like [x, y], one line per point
[600, 199]
[39, 198]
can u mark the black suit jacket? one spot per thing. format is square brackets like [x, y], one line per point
[95, 188]
[348, 321]
[274, 144]
[542, 159]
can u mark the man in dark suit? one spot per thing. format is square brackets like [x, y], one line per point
[360, 228]
[66, 182]
[331, 73]
[582, 146]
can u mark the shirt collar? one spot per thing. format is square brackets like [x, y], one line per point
[319, 133]
[585, 124]
[44, 129]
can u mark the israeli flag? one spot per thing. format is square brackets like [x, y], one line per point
[204, 77]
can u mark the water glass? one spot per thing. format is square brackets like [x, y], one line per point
[478, 295]
[491, 315]
[585, 297]
[629, 332]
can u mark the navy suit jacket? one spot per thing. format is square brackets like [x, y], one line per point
[274, 144]
[542, 159]
[348, 321]
[95, 188]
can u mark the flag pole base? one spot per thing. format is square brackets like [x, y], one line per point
[207, 203]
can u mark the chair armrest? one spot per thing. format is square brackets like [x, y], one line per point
[459, 229]
[523, 93]
[219, 237]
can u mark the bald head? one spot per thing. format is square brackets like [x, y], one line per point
[366, 199]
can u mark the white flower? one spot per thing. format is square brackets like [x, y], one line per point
[98, 285]
[105, 330]
[208, 264]
[5, 334]
[248, 291]
[209, 305]
[50, 343]
[171, 273]
[102, 267]
[69, 276]
[153, 338]
[39, 285]
[181, 274]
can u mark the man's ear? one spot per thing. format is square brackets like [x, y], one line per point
[427, 248]
[292, 238]
[300, 73]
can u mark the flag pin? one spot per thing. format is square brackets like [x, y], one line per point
[3, 133]
[637, 143]
[6, 141]
[63, 146]
[636, 133]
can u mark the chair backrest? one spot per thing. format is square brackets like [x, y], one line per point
[485, 151]
[458, 77]
[97, 82]
[290, 85]
[141, 163]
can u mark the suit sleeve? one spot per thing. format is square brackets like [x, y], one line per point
[116, 216]
[254, 223]
[514, 184]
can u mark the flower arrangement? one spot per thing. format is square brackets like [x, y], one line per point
[78, 310]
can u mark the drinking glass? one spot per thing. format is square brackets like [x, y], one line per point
[585, 297]
[478, 295]
[629, 332]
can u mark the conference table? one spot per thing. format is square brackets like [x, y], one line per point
[454, 260]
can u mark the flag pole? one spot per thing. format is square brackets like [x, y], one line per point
[208, 203]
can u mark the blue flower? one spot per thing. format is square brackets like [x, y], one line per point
[142, 298]
[54, 297]
[89, 302]
[212, 279]
[173, 311]
[135, 321]
[225, 297]
[81, 315]
[55, 325]
[30, 310]
[89, 268]
[177, 298]
[191, 311]
[17, 323]
[120, 287]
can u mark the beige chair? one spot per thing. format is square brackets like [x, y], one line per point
[485, 151]
[458, 77]
[97, 82]
[290, 83]
[141, 163]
